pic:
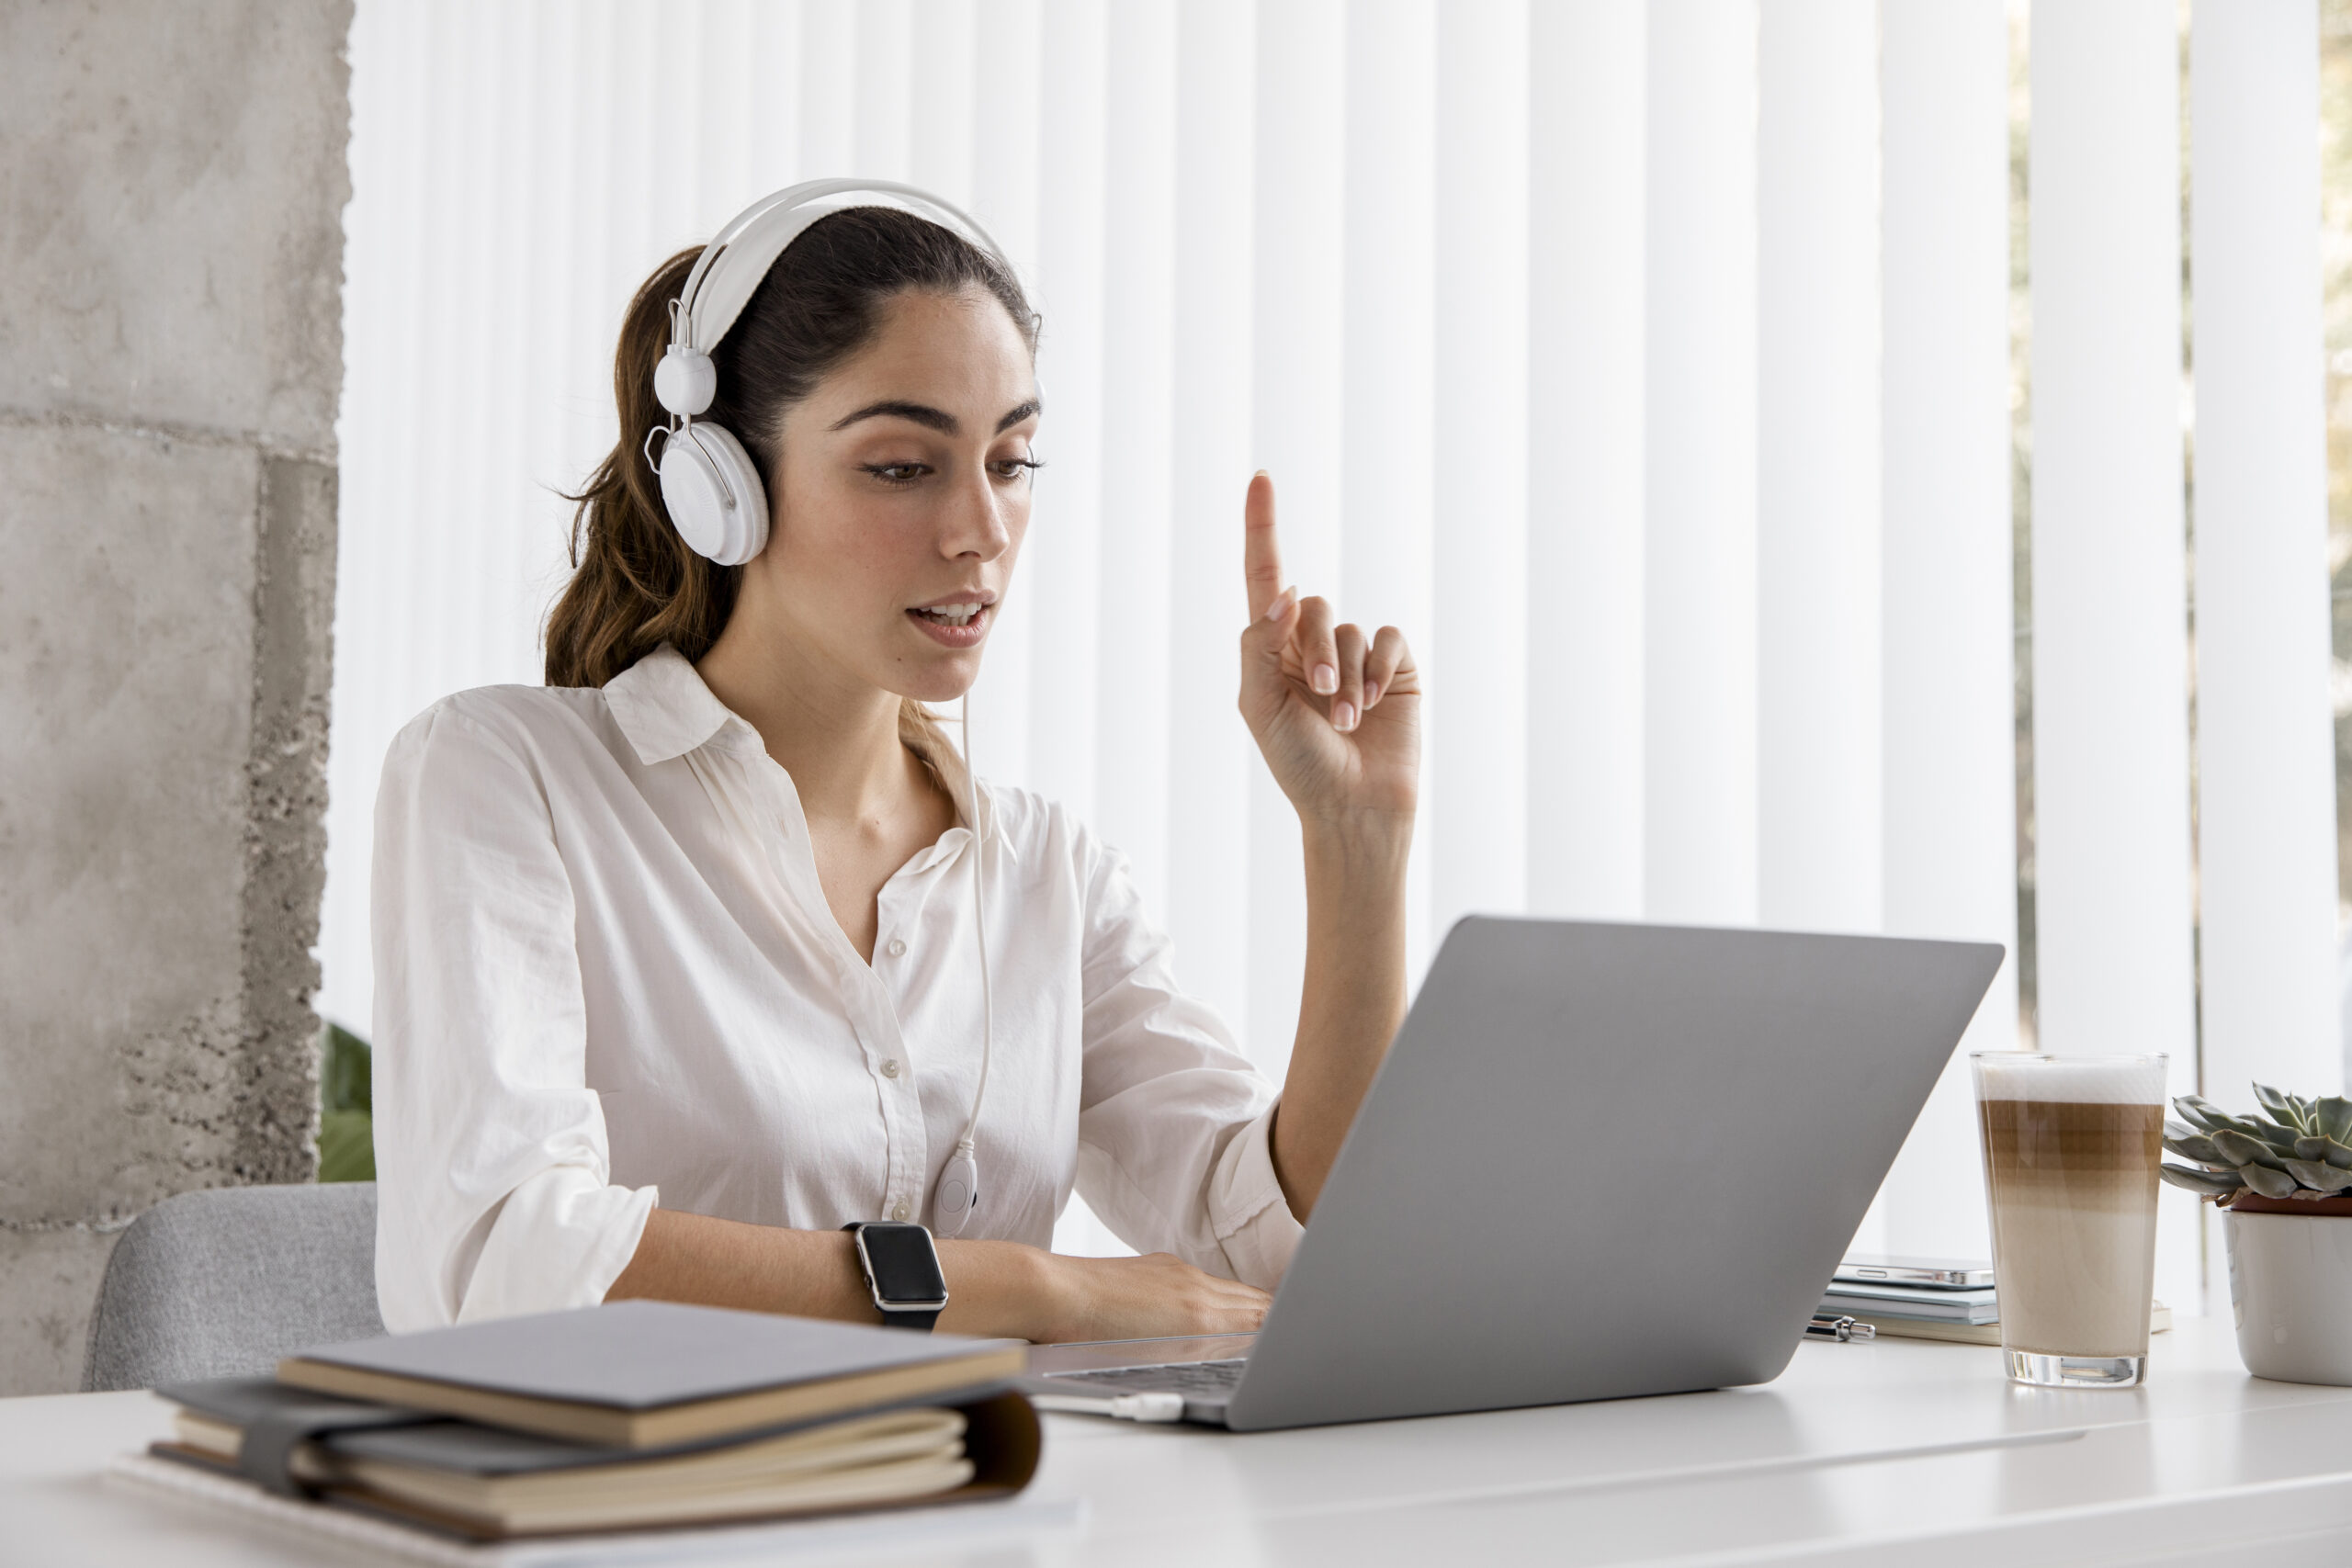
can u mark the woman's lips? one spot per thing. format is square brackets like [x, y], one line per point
[949, 635]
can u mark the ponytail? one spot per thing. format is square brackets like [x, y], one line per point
[635, 584]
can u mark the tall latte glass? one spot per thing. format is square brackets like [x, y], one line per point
[2070, 1149]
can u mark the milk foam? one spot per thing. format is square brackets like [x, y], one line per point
[2075, 1080]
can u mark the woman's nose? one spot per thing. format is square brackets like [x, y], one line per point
[977, 522]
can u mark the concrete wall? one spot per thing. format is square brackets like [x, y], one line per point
[172, 187]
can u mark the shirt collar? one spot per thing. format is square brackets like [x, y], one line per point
[665, 711]
[664, 708]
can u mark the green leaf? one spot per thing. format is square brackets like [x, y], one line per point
[2268, 1182]
[2302, 1112]
[2202, 1112]
[345, 1073]
[2277, 1137]
[2241, 1150]
[2199, 1148]
[2279, 1140]
[346, 1146]
[2281, 1108]
[2202, 1182]
[2312, 1148]
[2333, 1116]
[2318, 1176]
[2179, 1129]
[2336, 1154]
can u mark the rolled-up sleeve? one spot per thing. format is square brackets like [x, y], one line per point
[1174, 1123]
[493, 1170]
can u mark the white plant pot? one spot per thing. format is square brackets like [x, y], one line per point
[2291, 1282]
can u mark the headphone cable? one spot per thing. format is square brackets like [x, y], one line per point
[980, 924]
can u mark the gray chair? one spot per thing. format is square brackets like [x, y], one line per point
[222, 1283]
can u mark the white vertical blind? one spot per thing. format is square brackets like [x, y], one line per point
[1698, 682]
[2267, 807]
[1134, 498]
[1587, 393]
[1818, 466]
[2109, 572]
[884, 37]
[1949, 646]
[1470, 540]
[1645, 362]
[827, 122]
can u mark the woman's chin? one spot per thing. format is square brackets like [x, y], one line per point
[937, 681]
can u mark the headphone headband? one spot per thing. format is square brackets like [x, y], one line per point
[733, 267]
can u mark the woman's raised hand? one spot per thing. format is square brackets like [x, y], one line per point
[1335, 713]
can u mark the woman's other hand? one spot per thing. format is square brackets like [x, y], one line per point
[1335, 711]
[1144, 1298]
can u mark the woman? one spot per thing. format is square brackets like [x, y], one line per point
[676, 963]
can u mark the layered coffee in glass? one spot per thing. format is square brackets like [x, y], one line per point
[2071, 1145]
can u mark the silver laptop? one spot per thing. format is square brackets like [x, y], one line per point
[1600, 1160]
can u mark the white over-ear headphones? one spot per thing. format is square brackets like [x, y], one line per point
[708, 482]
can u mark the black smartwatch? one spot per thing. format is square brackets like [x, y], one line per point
[902, 1271]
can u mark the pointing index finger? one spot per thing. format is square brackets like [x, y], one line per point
[1262, 558]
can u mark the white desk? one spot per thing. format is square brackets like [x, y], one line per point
[1894, 1452]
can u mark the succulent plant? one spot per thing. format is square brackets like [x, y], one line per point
[2300, 1148]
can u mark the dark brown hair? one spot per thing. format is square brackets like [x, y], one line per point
[636, 585]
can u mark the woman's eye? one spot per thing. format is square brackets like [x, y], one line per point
[1012, 468]
[896, 473]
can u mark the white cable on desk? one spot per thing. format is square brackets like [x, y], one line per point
[1119, 1406]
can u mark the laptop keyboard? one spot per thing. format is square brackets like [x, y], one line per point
[1192, 1378]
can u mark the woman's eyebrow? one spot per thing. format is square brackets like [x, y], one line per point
[921, 413]
[924, 414]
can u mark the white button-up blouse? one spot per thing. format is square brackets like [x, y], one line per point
[607, 977]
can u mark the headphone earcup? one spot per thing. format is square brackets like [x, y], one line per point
[713, 493]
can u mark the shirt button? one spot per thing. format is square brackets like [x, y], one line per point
[898, 948]
[899, 1213]
[890, 1068]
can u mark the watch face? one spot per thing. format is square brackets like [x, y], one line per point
[904, 1266]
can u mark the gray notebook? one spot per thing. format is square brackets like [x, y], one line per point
[640, 1373]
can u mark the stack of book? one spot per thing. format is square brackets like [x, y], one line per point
[1918, 1311]
[1926, 1299]
[629, 1417]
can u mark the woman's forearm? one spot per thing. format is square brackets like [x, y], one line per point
[1352, 999]
[993, 1287]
